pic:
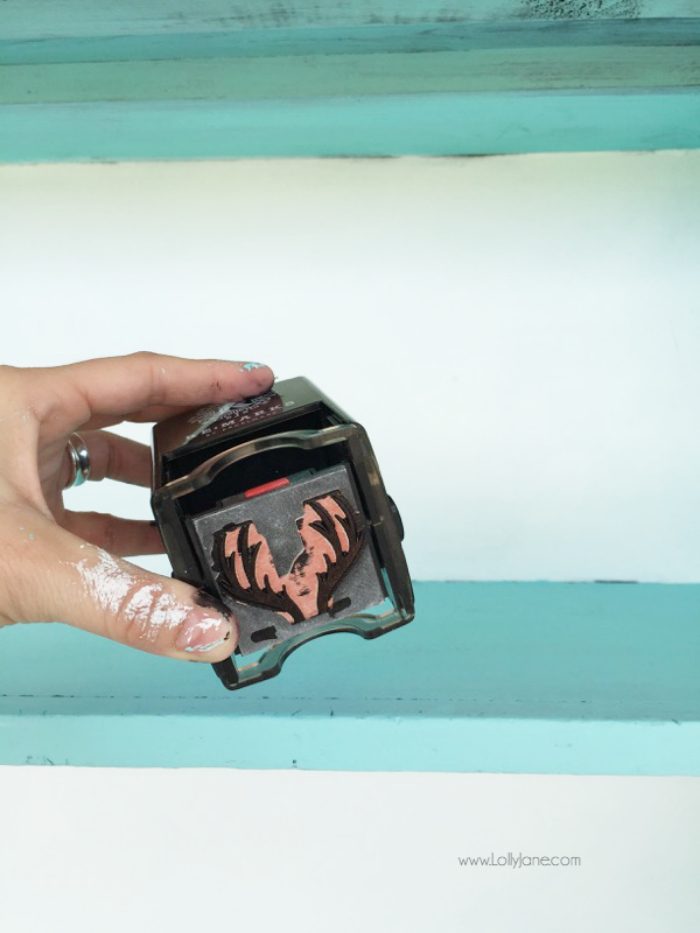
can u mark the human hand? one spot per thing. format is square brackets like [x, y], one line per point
[57, 564]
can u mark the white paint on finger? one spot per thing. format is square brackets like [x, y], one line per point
[106, 580]
[119, 592]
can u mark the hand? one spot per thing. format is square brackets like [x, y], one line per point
[56, 564]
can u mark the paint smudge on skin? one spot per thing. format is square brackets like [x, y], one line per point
[209, 646]
[148, 606]
[202, 636]
[105, 580]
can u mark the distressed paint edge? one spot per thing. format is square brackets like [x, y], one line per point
[164, 16]
[443, 745]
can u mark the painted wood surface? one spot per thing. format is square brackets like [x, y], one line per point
[524, 677]
[82, 81]
[55, 18]
[354, 75]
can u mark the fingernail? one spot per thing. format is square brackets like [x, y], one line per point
[203, 633]
[252, 367]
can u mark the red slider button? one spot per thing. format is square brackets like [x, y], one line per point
[266, 487]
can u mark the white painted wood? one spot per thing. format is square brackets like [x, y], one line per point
[116, 850]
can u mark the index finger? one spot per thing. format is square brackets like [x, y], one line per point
[108, 389]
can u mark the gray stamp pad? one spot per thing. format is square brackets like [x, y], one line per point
[276, 516]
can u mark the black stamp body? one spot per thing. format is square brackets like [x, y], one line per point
[275, 507]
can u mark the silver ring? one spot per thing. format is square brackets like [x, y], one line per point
[80, 460]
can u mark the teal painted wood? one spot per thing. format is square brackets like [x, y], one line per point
[399, 38]
[83, 81]
[62, 18]
[354, 75]
[550, 678]
[449, 124]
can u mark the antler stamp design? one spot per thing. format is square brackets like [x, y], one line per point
[332, 539]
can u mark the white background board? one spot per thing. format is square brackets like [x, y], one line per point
[312, 852]
[520, 335]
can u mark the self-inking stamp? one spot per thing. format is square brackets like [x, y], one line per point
[276, 507]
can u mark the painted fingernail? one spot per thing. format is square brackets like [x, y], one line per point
[249, 366]
[203, 633]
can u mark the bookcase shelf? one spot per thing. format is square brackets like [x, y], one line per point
[121, 80]
[512, 677]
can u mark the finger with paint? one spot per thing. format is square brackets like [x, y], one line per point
[58, 564]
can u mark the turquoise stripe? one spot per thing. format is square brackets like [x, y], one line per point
[449, 124]
[552, 678]
[374, 744]
[437, 36]
[381, 75]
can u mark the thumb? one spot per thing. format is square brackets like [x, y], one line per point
[55, 576]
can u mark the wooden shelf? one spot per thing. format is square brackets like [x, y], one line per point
[521, 677]
[82, 80]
